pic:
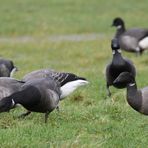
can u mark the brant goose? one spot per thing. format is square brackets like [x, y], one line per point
[116, 66]
[69, 82]
[37, 95]
[136, 98]
[7, 68]
[132, 40]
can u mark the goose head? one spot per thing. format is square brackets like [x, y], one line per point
[125, 78]
[115, 46]
[6, 104]
[118, 23]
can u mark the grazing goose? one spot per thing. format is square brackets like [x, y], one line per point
[7, 68]
[116, 66]
[8, 86]
[132, 40]
[136, 98]
[69, 82]
[37, 95]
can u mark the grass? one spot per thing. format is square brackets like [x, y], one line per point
[41, 18]
[87, 118]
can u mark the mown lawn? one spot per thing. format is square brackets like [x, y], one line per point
[87, 118]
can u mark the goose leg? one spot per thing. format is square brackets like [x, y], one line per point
[24, 114]
[46, 116]
[58, 108]
[139, 51]
[108, 90]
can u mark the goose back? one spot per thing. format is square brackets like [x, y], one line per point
[45, 97]
[137, 33]
[68, 82]
[9, 86]
[61, 77]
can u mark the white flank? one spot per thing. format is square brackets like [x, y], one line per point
[144, 43]
[70, 87]
[13, 71]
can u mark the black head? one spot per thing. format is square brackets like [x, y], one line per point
[118, 22]
[6, 104]
[115, 44]
[125, 78]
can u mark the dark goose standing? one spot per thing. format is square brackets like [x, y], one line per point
[69, 82]
[132, 40]
[7, 68]
[38, 95]
[117, 66]
[136, 98]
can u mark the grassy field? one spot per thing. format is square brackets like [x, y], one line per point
[87, 118]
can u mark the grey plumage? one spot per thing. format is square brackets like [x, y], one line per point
[60, 77]
[7, 68]
[37, 95]
[136, 98]
[132, 40]
[42, 84]
[9, 86]
[68, 81]
[42, 73]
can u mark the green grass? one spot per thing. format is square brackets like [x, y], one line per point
[87, 118]
[41, 18]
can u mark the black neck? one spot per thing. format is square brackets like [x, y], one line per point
[117, 59]
[18, 97]
[26, 97]
[133, 96]
[120, 31]
[132, 88]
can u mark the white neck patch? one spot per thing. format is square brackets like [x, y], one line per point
[70, 87]
[131, 84]
[119, 50]
[13, 103]
[118, 27]
[13, 71]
